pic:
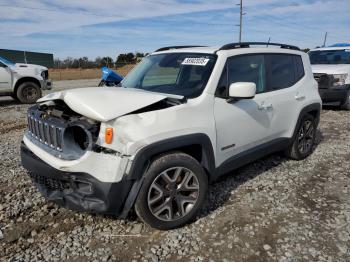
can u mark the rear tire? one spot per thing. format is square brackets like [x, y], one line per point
[174, 190]
[28, 93]
[346, 104]
[304, 139]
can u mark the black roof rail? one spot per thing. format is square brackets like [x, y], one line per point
[248, 44]
[176, 47]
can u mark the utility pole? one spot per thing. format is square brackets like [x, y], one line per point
[240, 21]
[325, 39]
[241, 14]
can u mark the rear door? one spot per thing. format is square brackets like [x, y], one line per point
[285, 75]
[5, 78]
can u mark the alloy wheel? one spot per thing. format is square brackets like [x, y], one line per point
[173, 194]
[306, 137]
[30, 92]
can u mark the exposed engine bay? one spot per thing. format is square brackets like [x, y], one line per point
[56, 128]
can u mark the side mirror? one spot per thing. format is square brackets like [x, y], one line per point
[242, 90]
[3, 65]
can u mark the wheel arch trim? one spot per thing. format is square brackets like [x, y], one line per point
[144, 155]
[24, 80]
[315, 107]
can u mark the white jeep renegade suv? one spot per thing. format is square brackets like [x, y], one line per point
[182, 118]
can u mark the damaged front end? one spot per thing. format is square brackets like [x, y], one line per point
[60, 131]
[63, 160]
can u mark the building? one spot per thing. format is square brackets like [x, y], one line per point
[26, 57]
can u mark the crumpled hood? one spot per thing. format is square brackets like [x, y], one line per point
[331, 69]
[105, 103]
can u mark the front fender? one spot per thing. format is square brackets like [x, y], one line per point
[144, 155]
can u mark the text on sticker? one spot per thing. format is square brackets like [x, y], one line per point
[196, 61]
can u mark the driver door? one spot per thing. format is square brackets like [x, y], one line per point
[5, 78]
[241, 125]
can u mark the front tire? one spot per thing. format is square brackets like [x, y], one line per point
[28, 93]
[304, 139]
[174, 190]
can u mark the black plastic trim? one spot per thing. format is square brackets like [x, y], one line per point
[248, 44]
[334, 94]
[143, 157]
[103, 198]
[176, 47]
[306, 110]
[251, 155]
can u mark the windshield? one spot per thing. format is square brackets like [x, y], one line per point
[333, 57]
[6, 62]
[184, 74]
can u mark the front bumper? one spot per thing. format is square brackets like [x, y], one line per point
[46, 84]
[334, 94]
[75, 190]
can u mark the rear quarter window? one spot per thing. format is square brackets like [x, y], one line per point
[284, 70]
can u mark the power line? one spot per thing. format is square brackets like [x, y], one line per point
[292, 25]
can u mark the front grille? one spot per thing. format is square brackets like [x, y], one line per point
[45, 132]
[49, 183]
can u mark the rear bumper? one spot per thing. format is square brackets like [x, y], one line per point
[334, 94]
[46, 84]
[74, 190]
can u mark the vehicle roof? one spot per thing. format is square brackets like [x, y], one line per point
[215, 49]
[331, 48]
[200, 49]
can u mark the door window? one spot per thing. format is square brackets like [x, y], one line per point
[247, 68]
[284, 70]
[269, 72]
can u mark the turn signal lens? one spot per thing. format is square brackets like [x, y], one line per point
[109, 135]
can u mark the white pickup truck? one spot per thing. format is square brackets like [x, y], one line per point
[331, 68]
[23, 82]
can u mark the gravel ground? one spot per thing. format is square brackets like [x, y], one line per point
[272, 210]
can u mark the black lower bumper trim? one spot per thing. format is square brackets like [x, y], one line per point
[76, 191]
[333, 94]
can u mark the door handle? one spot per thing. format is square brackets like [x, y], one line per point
[264, 107]
[299, 97]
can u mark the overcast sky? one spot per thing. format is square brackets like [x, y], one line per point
[109, 27]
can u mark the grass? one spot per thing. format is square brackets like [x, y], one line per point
[75, 74]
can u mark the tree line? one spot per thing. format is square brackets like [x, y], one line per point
[98, 62]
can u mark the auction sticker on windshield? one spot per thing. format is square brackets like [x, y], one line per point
[196, 61]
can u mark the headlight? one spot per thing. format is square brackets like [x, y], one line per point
[45, 74]
[340, 79]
